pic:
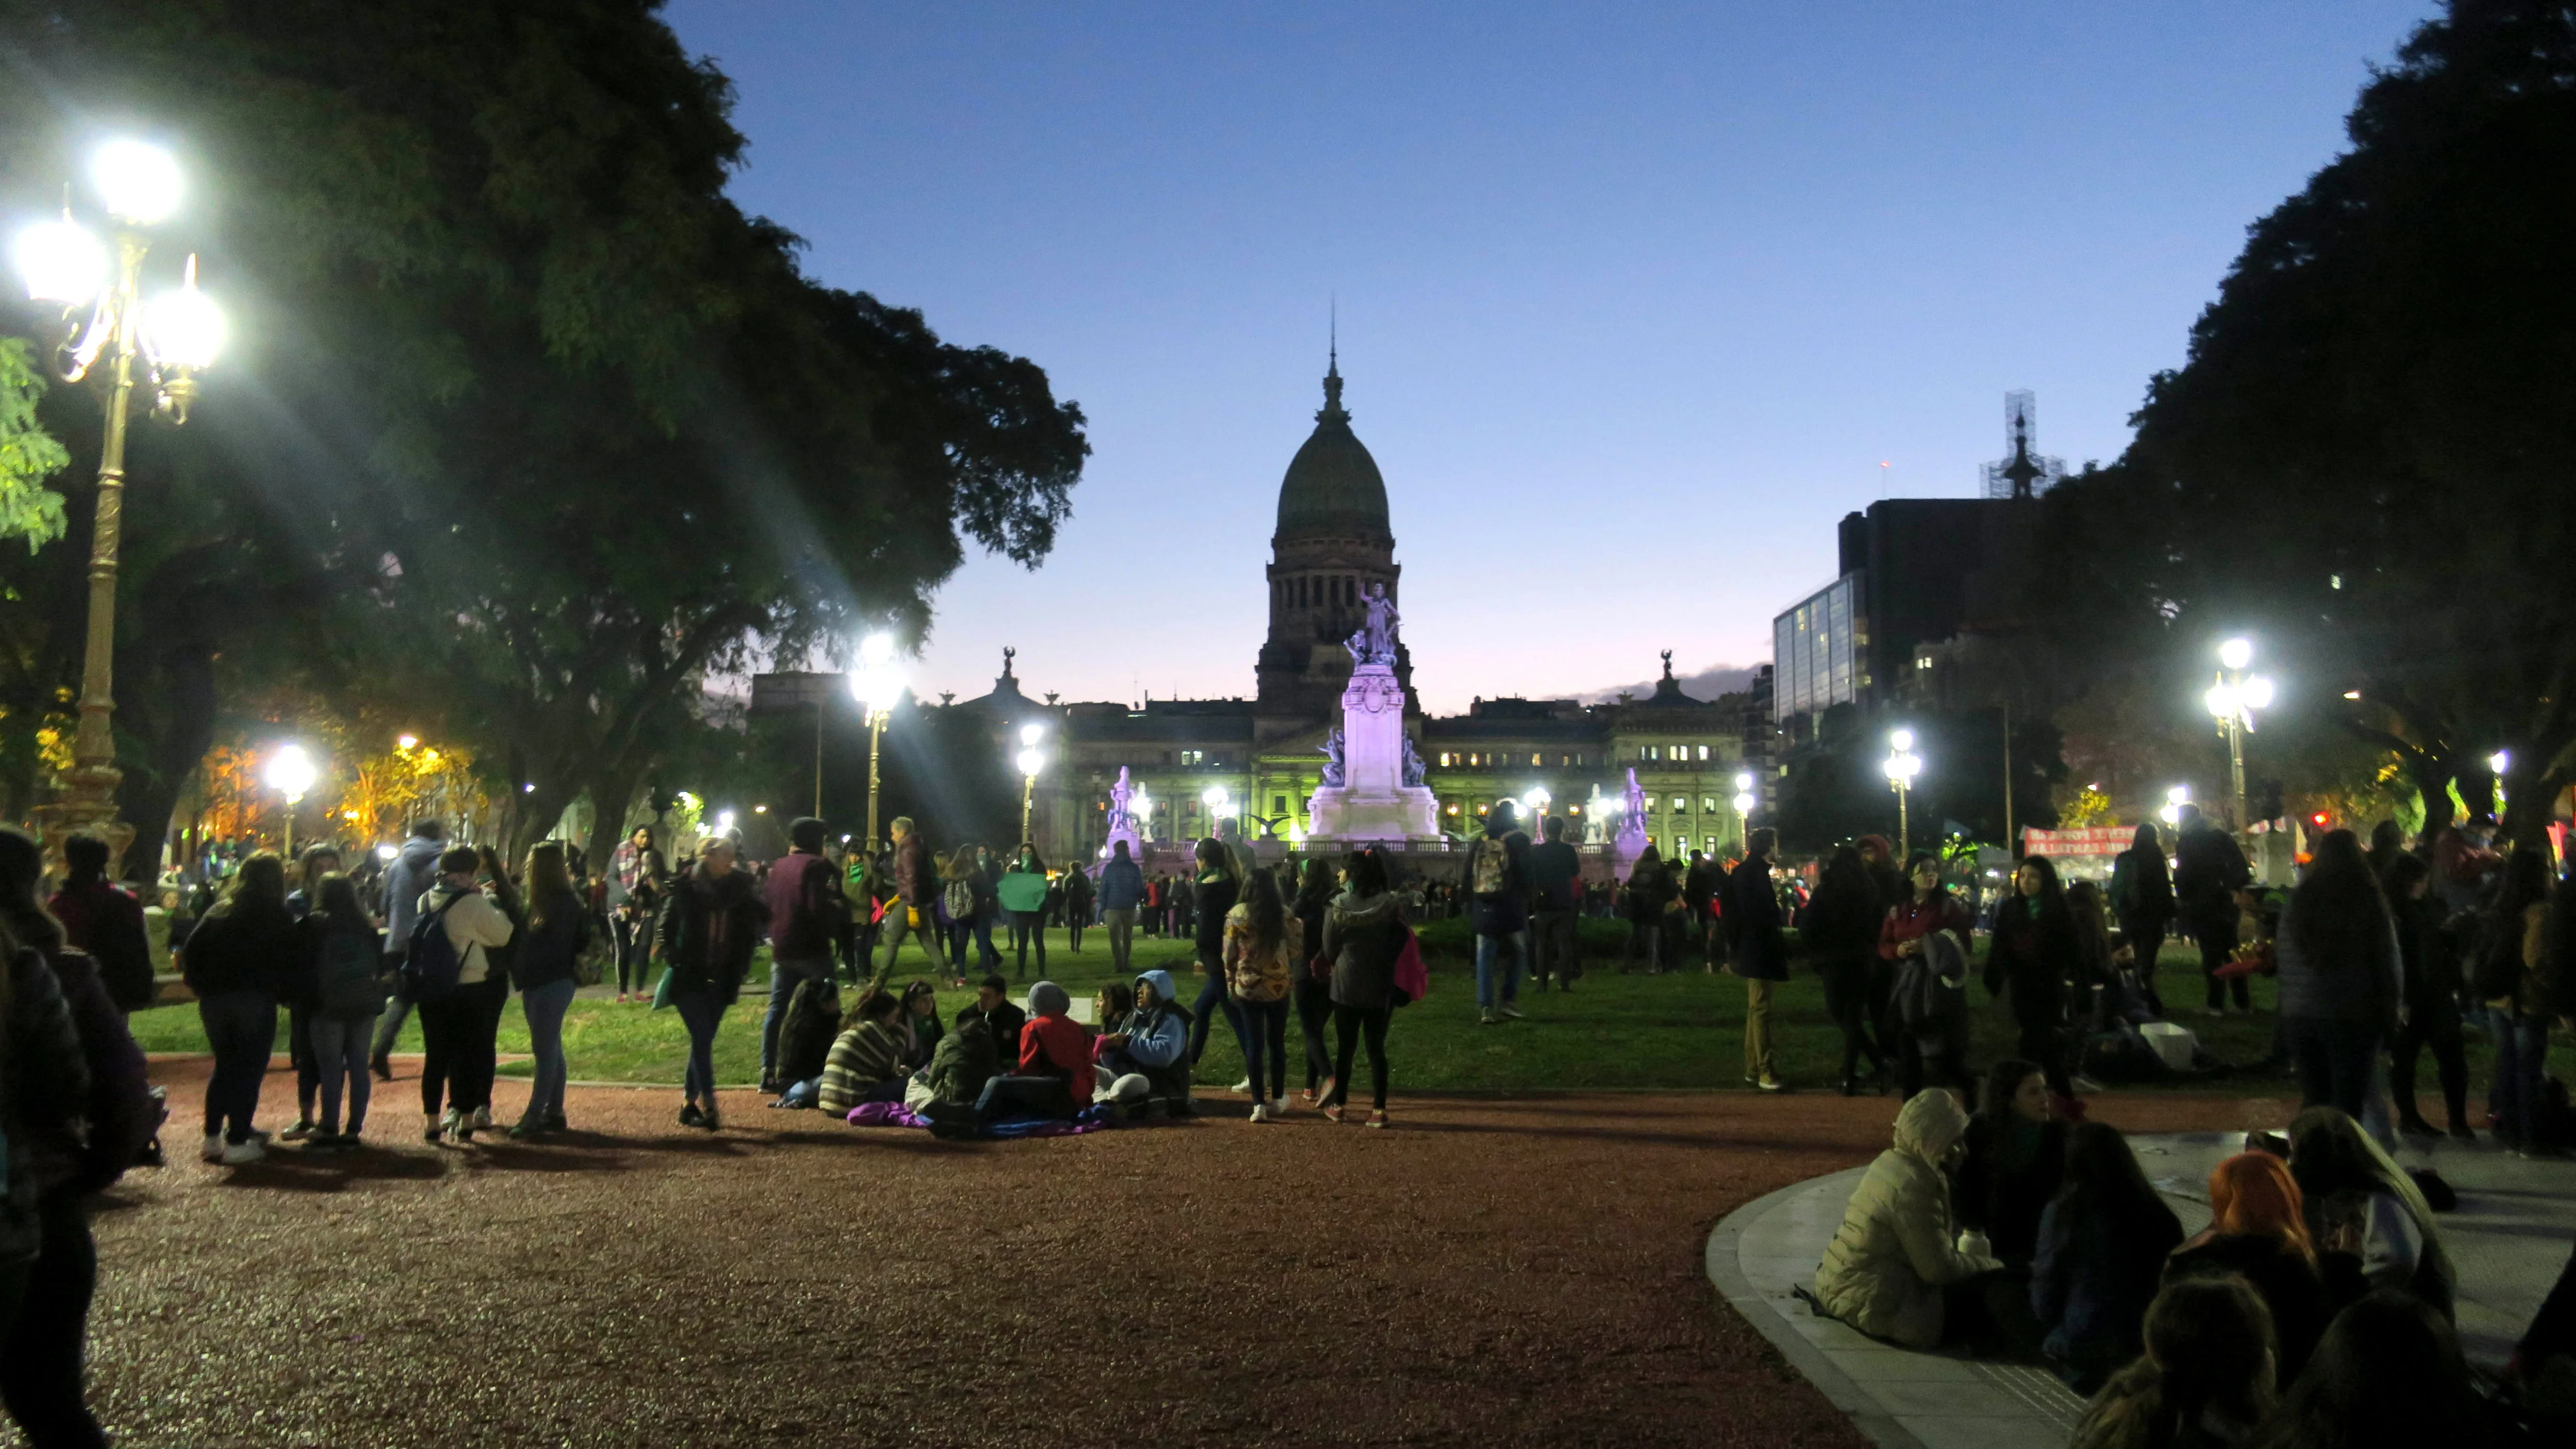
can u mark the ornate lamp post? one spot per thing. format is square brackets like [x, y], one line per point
[876, 684]
[291, 774]
[1031, 760]
[1744, 802]
[173, 335]
[2232, 702]
[1902, 765]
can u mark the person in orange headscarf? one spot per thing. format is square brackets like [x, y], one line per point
[2258, 1231]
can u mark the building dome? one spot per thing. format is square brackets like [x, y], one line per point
[1333, 489]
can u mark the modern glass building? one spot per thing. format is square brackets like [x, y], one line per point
[1816, 650]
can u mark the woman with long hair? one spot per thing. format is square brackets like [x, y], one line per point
[545, 968]
[344, 960]
[2340, 991]
[958, 896]
[2032, 954]
[458, 1023]
[1314, 990]
[2102, 1247]
[1022, 892]
[1839, 928]
[714, 918]
[2432, 975]
[2014, 1162]
[2206, 1380]
[2142, 902]
[2517, 980]
[2258, 1231]
[1364, 931]
[1213, 892]
[2354, 1192]
[1264, 954]
[1642, 900]
[1937, 1045]
[235, 961]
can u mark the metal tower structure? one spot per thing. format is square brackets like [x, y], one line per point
[2024, 471]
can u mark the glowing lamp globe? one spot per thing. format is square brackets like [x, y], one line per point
[2236, 653]
[60, 262]
[138, 181]
[1031, 761]
[186, 326]
[291, 772]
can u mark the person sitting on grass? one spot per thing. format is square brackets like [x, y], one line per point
[866, 1064]
[1054, 1077]
[1002, 1018]
[2102, 1247]
[2205, 1382]
[1894, 1269]
[963, 1063]
[1145, 1056]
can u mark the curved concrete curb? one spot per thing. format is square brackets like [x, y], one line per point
[1726, 1272]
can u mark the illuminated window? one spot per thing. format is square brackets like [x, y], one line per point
[1680, 804]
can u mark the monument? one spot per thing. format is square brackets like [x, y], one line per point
[1122, 821]
[1377, 794]
[1631, 841]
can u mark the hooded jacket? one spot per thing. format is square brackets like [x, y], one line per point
[1884, 1272]
[474, 927]
[1053, 1044]
[1158, 1040]
[963, 1063]
[708, 931]
[406, 880]
[1362, 935]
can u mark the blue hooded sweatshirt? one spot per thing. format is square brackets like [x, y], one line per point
[1160, 1039]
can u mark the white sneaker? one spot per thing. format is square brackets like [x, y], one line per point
[213, 1151]
[1260, 1112]
[451, 1128]
[297, 1132]
[1244, 1086]
[482, 1119]
[242, 1154]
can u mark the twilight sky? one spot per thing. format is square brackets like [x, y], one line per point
[1635, 301]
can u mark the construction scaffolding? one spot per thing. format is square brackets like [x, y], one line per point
[2024, 471]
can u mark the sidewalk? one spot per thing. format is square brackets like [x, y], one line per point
[2508, 1239]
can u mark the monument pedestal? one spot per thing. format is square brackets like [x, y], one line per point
[1372, 802]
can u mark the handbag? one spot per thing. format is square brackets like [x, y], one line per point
[662, 990]
[1412, 978]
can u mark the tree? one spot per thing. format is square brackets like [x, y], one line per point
[28, 454]
[535, 429]
[2365, 459]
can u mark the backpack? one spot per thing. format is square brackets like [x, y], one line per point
[812, 1024]
[2124, 887]
[959, 897]
[345, 974]
[124, 957]
[1490, 873]
[432, 966]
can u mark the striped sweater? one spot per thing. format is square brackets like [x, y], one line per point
[865, 1055]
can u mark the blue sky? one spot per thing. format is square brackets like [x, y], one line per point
[1635, 301]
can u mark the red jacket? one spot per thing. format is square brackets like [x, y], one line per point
[1915, 919]
[1058, 1046]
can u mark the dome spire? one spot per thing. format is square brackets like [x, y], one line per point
[1333, 411]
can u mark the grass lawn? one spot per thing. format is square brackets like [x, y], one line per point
[1682, 1030]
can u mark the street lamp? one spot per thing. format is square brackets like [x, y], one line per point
[1032, 759]
[1536, 803]
[1744, 802]
[174, 334]
[877, 684]
[1902, 765]
[2232, 702]
[2175, 799]
[291, 774]
[1142, 807]
[1214, 797]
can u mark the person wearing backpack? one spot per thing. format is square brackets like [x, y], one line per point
[1265, 949]
[448, 966]
[105, 920]
[544, 968]
[234, 962]
[343, 961]
[406, 880]
[1498, 910]
[708, 930]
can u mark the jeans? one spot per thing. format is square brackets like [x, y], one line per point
[1121, 925]
[1263, 1028]
[1553, 950]
[2521, 1055]
[1487, 947]
[45, 1305]
[1350, 1022]
[1760, 1063]
[1214, 995]
[545, 1006]
[984, 951]
[898, 925]
[699, 1013]
[1037, 1096]
[784, 976]
[1025, 927]
[2334, 1061]
[340, 1051]
[241, 1027]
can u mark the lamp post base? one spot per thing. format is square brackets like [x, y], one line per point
[87, 806]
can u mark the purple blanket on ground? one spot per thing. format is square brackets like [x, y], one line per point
[1093, 1118]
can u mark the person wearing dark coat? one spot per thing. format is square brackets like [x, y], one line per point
[1211, 895]
[713, 918]
[1760, 954]
[236, 962]
[2258, 1231]
[1839, 929]
[2208, 871]
[2142, 901]
[2100, 1258]
[1641, 900]
[1556, 893]
[1364, 932]
[2432, 976]
[2032, 954]
[2015, 1162]
[1500, 917]
[2340, 987]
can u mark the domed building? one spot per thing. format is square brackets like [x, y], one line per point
[1331, 543]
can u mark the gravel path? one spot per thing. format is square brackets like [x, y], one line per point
[1521, 1271]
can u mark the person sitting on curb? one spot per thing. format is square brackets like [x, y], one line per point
[1894, 1270]
[1145, 1057]
[866, 1064]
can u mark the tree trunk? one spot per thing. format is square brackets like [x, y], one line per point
[173, 738]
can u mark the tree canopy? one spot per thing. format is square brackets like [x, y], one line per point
[532, 429]
[2366, 460]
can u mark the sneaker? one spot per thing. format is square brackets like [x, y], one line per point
[213, 1151]
[523, 1130]
[451, 1128]
[1244, 1086]
[555, 1122]
[1260, 1113]
[1486, 1017]
[482, 1120]
[1377, 1119]
[690, 1116]
[1770, 1083]
[300, 1130]
[1334, 1112]
[1511, 1013]
[242, 1154]
[710, 1121]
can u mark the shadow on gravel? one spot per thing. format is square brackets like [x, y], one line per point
[1597, 1134]
[315, 1172]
